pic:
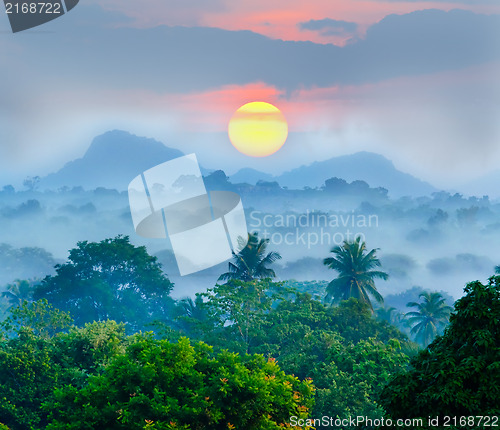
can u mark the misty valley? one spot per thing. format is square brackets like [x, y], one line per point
[423, 240]
[250, 215]
[329, 308]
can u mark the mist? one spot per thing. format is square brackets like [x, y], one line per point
[438, 242]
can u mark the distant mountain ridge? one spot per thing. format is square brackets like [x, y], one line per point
[116, 157]
[112, 161]
[250, 176]
[372, 168]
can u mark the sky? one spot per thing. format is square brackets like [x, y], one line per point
[415, 81]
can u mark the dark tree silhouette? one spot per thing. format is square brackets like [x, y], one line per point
[251, 262]
[431, 316]
[356, 275]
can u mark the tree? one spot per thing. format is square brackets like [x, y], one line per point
[4, 309]
[18, 292]
[252, 261]
[39, 318]
[356, 275]
[87, 350]
[31, 182]
[350, 379]
[389, 314]
[111, 279]
[161, 385]
[336, 185]
[192, 308]
[348, 354]
[192, 317]
[29, 263]
[237, 309]
[8, 189]
[29, 371]
[457, 374]
[430, 318]
[40, 351]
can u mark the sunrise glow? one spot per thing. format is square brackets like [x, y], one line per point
[258, 129]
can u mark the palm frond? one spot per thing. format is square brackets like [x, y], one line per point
[251, 261]
[354, 266]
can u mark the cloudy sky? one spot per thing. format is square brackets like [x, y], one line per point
[416, 81]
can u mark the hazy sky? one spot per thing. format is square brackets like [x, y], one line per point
[416, 81]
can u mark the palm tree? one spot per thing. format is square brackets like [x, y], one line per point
[192, 308]
[388, 314]
[431, 316]
[251, 262]
[19, 291]
[497, 270]
[356, 275]
[394, 317]
[191, 315]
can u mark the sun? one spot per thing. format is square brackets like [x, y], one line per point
[258, 129]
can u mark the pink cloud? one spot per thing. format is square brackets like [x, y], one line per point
[277, 19]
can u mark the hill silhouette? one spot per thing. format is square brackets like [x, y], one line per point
[250, 176]
[116, 157]
[112, 161]
[372, 168]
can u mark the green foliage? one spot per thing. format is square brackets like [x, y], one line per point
[356, 275]
[59, 376]
[161, 385]
[430, 318]
[27, 379]
[38, 317]
[352, 375]
[97, 377]
[251, 262]
[4, 309]
[354, 321]
[316, 289]
[19, 291]
[111, 279]
[88, 349]
[401, 299]
[237, 309]
[36, 357]
[189, 318]
[299, 333]
[458, 374]
[388, 314]
[348, 354]
[29, 372]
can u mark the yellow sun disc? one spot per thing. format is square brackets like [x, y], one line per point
[258, 129]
